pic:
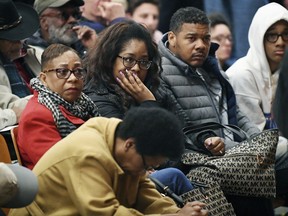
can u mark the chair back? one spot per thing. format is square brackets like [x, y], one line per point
[14, 133]
[4, 151]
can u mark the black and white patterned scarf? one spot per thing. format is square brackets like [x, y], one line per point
[83, 107]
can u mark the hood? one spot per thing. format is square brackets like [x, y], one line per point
[265, 17]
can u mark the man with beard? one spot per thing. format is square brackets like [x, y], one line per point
[59, 24]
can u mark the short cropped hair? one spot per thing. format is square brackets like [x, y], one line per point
[187, 15]
[52, 52]
[157, 132]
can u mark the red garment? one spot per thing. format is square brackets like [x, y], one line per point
[38, 132]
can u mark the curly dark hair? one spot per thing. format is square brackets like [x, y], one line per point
[187, 15]
[157, 132]
[100, 60]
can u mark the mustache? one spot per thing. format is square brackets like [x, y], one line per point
[63, 34]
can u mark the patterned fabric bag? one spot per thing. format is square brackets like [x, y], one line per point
[245, 170]
[210, 194]
[213, 196]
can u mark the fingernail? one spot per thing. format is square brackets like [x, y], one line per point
[118, 79]
[121, 73]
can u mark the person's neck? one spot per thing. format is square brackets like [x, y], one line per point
[273, 67]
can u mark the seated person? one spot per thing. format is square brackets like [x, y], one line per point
[123, 69]
[99, 14]
[254, 79]
[58, 105]
[14, 90]
[100, 168]
[123, 72]
[59, 23]
[147, 12]
[221, 34]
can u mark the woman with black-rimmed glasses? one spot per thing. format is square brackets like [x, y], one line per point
[123, 69]
[123, 72]
[58, 105]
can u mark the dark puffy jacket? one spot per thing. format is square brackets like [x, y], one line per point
[108, 102]
[184, 92]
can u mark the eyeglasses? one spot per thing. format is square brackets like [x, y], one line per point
[273, 37]
[223, 38]
[129, 62]
[146, 167]
[64, 15]
[64, 73]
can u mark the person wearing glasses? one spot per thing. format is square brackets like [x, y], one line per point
[123, 73]
[58, 105]
[59, 23]
[255, 77]
[123, 69]
[147, 12]
[100, 168]
[221, 34]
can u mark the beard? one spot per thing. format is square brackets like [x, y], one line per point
[63, 35]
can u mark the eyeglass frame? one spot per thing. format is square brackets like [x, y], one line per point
[276, 39]
[223, 38]
[69, 74]
[136, 62]
[146, 167]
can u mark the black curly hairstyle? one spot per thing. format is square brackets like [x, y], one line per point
[157, 132]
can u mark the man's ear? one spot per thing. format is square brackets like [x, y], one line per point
[129, 143]
[43, 78]
[171, 38]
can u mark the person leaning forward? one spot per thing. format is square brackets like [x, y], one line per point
[100, 168]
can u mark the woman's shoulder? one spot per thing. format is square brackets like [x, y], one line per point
[35, 110]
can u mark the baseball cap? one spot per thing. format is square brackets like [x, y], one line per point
[41, 5]
[18, 186]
